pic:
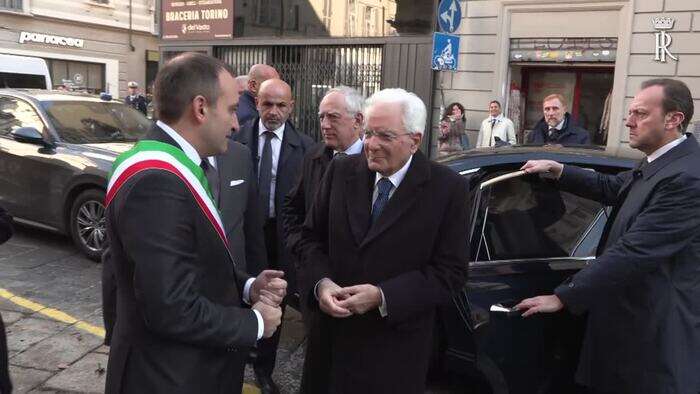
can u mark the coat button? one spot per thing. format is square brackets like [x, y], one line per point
[571, 285]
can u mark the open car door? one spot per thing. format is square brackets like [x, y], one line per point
[527, 237]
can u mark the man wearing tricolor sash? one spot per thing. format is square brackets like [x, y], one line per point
[184, 321]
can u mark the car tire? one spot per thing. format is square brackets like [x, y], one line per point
[88, 223]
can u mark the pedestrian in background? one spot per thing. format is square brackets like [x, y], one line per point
[247, 107]
[135, 99]
[496, 130]
[452, 136]
[458, 117]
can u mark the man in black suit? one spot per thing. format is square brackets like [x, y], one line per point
[340, 114]
[182, 323]
[237, 198]
[642, 293]
[278, 151]
[557, 127]
[385, 243]
[247, 107]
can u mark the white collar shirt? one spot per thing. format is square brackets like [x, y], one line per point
[664, 149]
[186, 147]
[395, 179]
[354, 149]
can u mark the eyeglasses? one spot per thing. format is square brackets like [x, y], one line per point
[386, 136]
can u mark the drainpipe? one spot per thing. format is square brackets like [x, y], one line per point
[131, 11]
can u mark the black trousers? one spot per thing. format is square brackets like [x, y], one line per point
[5, 384]
[264, 363]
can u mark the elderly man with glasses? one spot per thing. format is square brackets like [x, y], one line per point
[385, 242]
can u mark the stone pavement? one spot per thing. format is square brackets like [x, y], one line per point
[61, 356]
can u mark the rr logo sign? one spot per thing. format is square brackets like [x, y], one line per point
[663, 39]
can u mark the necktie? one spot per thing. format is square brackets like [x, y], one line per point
[265, 174]
[339, 154]
[552, 134]
[212, 178]
[493, 123]
[384, 186]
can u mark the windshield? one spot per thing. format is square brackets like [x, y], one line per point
[89, 122]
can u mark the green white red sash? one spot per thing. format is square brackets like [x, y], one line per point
[154, 155]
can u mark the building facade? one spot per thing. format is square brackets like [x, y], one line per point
[594, 53]
[92, 45]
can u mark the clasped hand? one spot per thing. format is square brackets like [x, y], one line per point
[266, 295]
[341, 302]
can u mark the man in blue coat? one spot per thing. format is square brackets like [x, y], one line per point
[247, 108]
[557, 126]
[642, 292]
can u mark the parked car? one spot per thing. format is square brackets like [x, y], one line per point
[56, 151]
[526, 238]
[25, 72]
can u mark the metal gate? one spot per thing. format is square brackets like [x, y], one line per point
[311, 70]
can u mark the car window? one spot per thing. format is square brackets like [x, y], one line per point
[526, 217]
[89, 122]
[16, 113]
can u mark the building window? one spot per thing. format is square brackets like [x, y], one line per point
[351, 26]
[267, 13]
[370, 21]
[13, 5]
[292, 20]
[100, 1]
[327, 14]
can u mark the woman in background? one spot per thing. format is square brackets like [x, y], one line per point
[452, 135]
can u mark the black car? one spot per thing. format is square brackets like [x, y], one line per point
[526, 238]
[56, 151]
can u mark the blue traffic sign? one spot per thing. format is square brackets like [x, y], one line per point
[445, 51]
[449, 15]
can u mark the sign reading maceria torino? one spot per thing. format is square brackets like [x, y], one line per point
[197, 19]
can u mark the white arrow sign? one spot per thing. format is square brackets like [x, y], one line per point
[449, 15]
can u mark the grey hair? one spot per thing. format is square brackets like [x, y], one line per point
[413, 109]
[354, 101]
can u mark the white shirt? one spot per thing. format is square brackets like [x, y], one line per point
[661, 151]
[560, 125]
[192, 154]
[276, 145]
[354, 149]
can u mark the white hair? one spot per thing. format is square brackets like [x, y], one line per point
[354, 101]
[413, 109]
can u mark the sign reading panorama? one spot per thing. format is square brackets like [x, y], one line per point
[197, 20]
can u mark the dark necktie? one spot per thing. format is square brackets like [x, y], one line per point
[552, 134]
[265, 174]
[493, 123]
[212, 178]
[384, 186]
[636, 175]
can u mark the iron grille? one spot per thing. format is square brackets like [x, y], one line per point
[14, 5]
[311, 70]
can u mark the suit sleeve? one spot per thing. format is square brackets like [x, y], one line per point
[654, 238]
[445, 274]
[591, 184]
[256, 254]
[6, 228]
[157, 231]
[313, 253]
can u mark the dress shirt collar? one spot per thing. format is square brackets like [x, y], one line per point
[354, 149]
[561, 124]
[497, 118]
[279, 132]
[661, 151]
[184, 145]
[397, 177]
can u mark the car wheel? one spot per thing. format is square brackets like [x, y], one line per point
[88, 226]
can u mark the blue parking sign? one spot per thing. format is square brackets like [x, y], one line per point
[445, 51]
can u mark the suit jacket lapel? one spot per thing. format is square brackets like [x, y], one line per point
[290, 142]
[403, 198]
[359, 199]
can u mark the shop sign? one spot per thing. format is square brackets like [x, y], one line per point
[26, 36]
[663, 39]
[563, 49]
[197, 19]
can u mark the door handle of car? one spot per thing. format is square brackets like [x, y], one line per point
[499, 308]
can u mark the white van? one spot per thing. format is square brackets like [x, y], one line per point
[24, 72]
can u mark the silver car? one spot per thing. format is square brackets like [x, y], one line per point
[56, 151]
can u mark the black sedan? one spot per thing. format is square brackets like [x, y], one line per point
[526, 238]
[56, 150]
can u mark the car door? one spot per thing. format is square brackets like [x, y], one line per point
[527, 237]
[23, 166]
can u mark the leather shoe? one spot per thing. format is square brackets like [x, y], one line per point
[267, 385]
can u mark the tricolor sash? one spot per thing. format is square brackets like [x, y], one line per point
[155, 155]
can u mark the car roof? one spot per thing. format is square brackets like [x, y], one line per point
[52, 95]
[516, 154]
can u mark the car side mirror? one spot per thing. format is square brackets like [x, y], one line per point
[29, 135]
